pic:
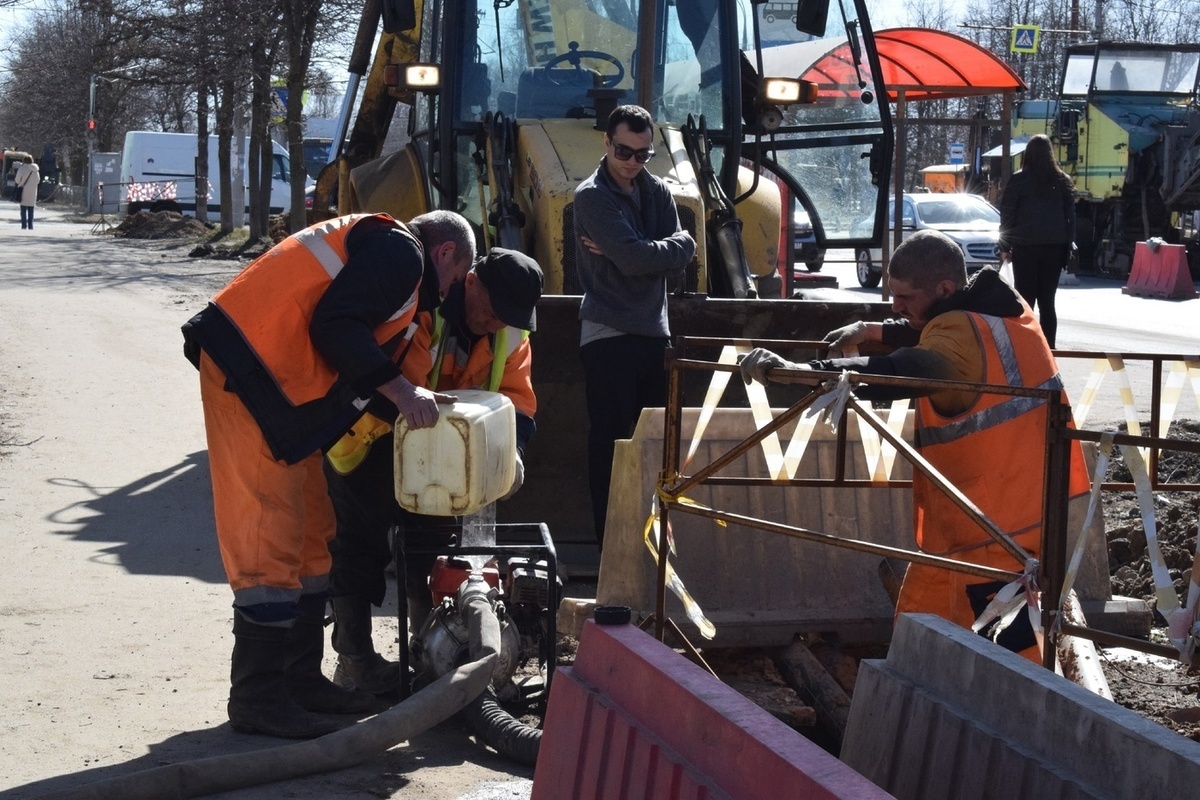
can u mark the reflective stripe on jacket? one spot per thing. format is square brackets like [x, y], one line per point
[425, 365]
[431, 362]
[992, 452]
[300, 268]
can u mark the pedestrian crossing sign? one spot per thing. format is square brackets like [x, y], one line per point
[1025, 39]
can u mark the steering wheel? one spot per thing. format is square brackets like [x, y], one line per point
[574, 55]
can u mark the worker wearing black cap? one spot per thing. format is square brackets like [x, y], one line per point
[477, 338]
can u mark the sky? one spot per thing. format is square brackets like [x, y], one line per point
[884, 14]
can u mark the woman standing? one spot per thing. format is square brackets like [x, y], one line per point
[27, 178]
[1037, 228]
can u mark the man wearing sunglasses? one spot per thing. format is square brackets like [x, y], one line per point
[628, 242]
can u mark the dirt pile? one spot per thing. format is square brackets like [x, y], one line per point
[1161, 690]
[1176, 514]
[161, 225]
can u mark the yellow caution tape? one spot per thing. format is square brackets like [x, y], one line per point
[652, 534]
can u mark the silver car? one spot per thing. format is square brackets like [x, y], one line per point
[968, 219]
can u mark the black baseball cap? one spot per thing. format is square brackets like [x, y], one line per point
[514, 285]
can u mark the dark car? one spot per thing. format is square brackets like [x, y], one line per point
[316, 155]
[804, 242]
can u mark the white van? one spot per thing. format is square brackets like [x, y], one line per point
[158, 171]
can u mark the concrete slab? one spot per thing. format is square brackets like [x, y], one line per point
[761, 588]
[950, 714]
[1127, 616]
[758, 588]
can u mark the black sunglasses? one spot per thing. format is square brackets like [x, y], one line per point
[624, 153]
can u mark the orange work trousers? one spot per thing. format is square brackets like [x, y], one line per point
[274, 520]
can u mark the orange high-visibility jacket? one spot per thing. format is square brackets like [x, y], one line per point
[994, 452]
[431, 363]
[300, 269]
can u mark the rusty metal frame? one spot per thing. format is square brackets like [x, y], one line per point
[1059, 436]
[1157, 360]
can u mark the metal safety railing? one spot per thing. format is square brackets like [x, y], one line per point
[1169, 374]
[1052, 567]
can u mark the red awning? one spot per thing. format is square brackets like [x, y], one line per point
[925, 64]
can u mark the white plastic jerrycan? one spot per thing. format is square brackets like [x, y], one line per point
[462, 463]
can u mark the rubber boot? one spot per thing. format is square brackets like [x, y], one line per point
[359, 666]
[307, 684]
[259, 701]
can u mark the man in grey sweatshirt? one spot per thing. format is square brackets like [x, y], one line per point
[628, 242]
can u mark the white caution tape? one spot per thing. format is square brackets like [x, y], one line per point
[716, 389]
[1100, 368]
[1087, 397]
[1008, 602]
[780, 464]
[1183, 624]
[1106, 445]
[1164, 589]
[881, 455]
[1180, 374]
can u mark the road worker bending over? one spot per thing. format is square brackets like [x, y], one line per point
[991, 447]
[289, 354]
[478, 338]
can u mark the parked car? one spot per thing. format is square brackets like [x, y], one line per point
[805, 242]
[968, 219]
[316, 155]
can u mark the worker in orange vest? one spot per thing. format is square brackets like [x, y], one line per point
[289, 354]
[990, 446]
[477, 338]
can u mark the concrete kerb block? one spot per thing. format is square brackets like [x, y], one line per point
[1012, 721]
[634, 719]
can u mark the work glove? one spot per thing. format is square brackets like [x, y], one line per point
[518, 478]
[756, 363]
[847, 336]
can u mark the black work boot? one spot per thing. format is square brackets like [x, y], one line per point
[359, 666]
[302, 667]
[258, 698]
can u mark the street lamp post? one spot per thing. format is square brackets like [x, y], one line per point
[91, 132]
[91, 141]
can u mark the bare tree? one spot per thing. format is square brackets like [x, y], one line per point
[299, 29]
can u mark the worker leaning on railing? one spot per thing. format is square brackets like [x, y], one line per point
[990, 446]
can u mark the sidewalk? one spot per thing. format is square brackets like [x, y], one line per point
[115, 613]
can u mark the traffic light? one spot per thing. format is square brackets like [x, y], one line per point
[91, 126]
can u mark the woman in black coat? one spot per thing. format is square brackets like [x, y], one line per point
[1037, 228]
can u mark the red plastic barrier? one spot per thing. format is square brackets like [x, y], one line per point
[634, 719]
[1161, 272]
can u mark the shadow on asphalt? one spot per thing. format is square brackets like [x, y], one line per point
[161, 524]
